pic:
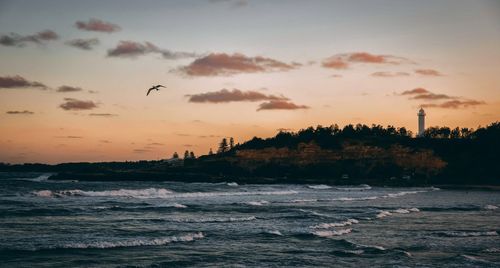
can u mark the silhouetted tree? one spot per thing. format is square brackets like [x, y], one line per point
[231, 143]
[210, 152]
[186, 154]
[191, 155]
[176, 155]
[223, 146]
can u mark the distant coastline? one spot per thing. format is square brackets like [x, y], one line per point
[323, 155]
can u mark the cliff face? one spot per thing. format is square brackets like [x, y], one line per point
[367, 159]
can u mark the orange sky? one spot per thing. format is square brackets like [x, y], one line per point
[73, 87]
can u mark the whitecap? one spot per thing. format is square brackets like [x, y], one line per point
[136, 242]
[319, 187]
[490, 207]
[211, 219]
[257, 203]
[383, 213]
[43, 193]
[331, 233]
[232, 184]
[335, 224]
[158, 193]
[274, 232]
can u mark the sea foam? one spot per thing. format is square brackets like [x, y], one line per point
[152, 193]
[331, 233]
[136, 242]
[319, 187]
[335, 224]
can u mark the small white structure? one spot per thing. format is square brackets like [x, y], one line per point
[421, 122]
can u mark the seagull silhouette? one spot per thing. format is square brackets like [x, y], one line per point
[157, 87]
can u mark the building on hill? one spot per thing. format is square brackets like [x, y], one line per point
[421, 122]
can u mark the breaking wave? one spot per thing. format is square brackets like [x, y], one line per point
[490, 207]
[257, 203]
[211, 219]
[152, 193]
[232, 184]
[385, 213]
[319, 187]
[136, 243]
[324, 233]
[335, 224]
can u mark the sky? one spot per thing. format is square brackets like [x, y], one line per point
[74, 74]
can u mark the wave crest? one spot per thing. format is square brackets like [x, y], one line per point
[136, 243]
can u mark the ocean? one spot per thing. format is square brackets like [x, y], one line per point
[172, 224]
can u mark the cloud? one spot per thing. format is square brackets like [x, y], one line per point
[17, 40]
[414, 91]
[74, 104]
[428, 72]
[68, 89]
[424, 94]
[17, 81]
[25, 112]
[103, 114]
[453, 104]
[69, 137]
[280, 105]
[432, 96]
[131, 49]
[343, 61]
[336, 76]
[234, 95]
[96, 25]
[389, 74]
[335, 63]
[224, 64]
[85, 44]
[156, 144]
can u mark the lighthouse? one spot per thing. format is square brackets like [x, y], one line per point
[421, 122]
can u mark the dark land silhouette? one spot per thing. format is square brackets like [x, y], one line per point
[354, 154]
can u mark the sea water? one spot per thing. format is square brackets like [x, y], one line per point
[162, 224]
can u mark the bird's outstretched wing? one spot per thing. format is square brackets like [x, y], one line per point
[157, 86]
[149, 90]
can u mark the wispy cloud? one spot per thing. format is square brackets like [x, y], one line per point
[17, 81]
[428, 72]
[454, 104]
[131, 49]
[64, 89]
[84, 44]
[97, 25]
[222, 64]
[345, 60]
[280, 105]
[74, 104]
[415, 91]
[69, 137]
[25, 112]
[389, 74]
[103, 114]
[235, 95]
[17, 40]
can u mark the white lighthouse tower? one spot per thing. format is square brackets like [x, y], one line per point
[421, 122]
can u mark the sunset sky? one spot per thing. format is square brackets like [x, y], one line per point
[74, 74]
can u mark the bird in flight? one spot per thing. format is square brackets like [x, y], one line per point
[157, 87]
